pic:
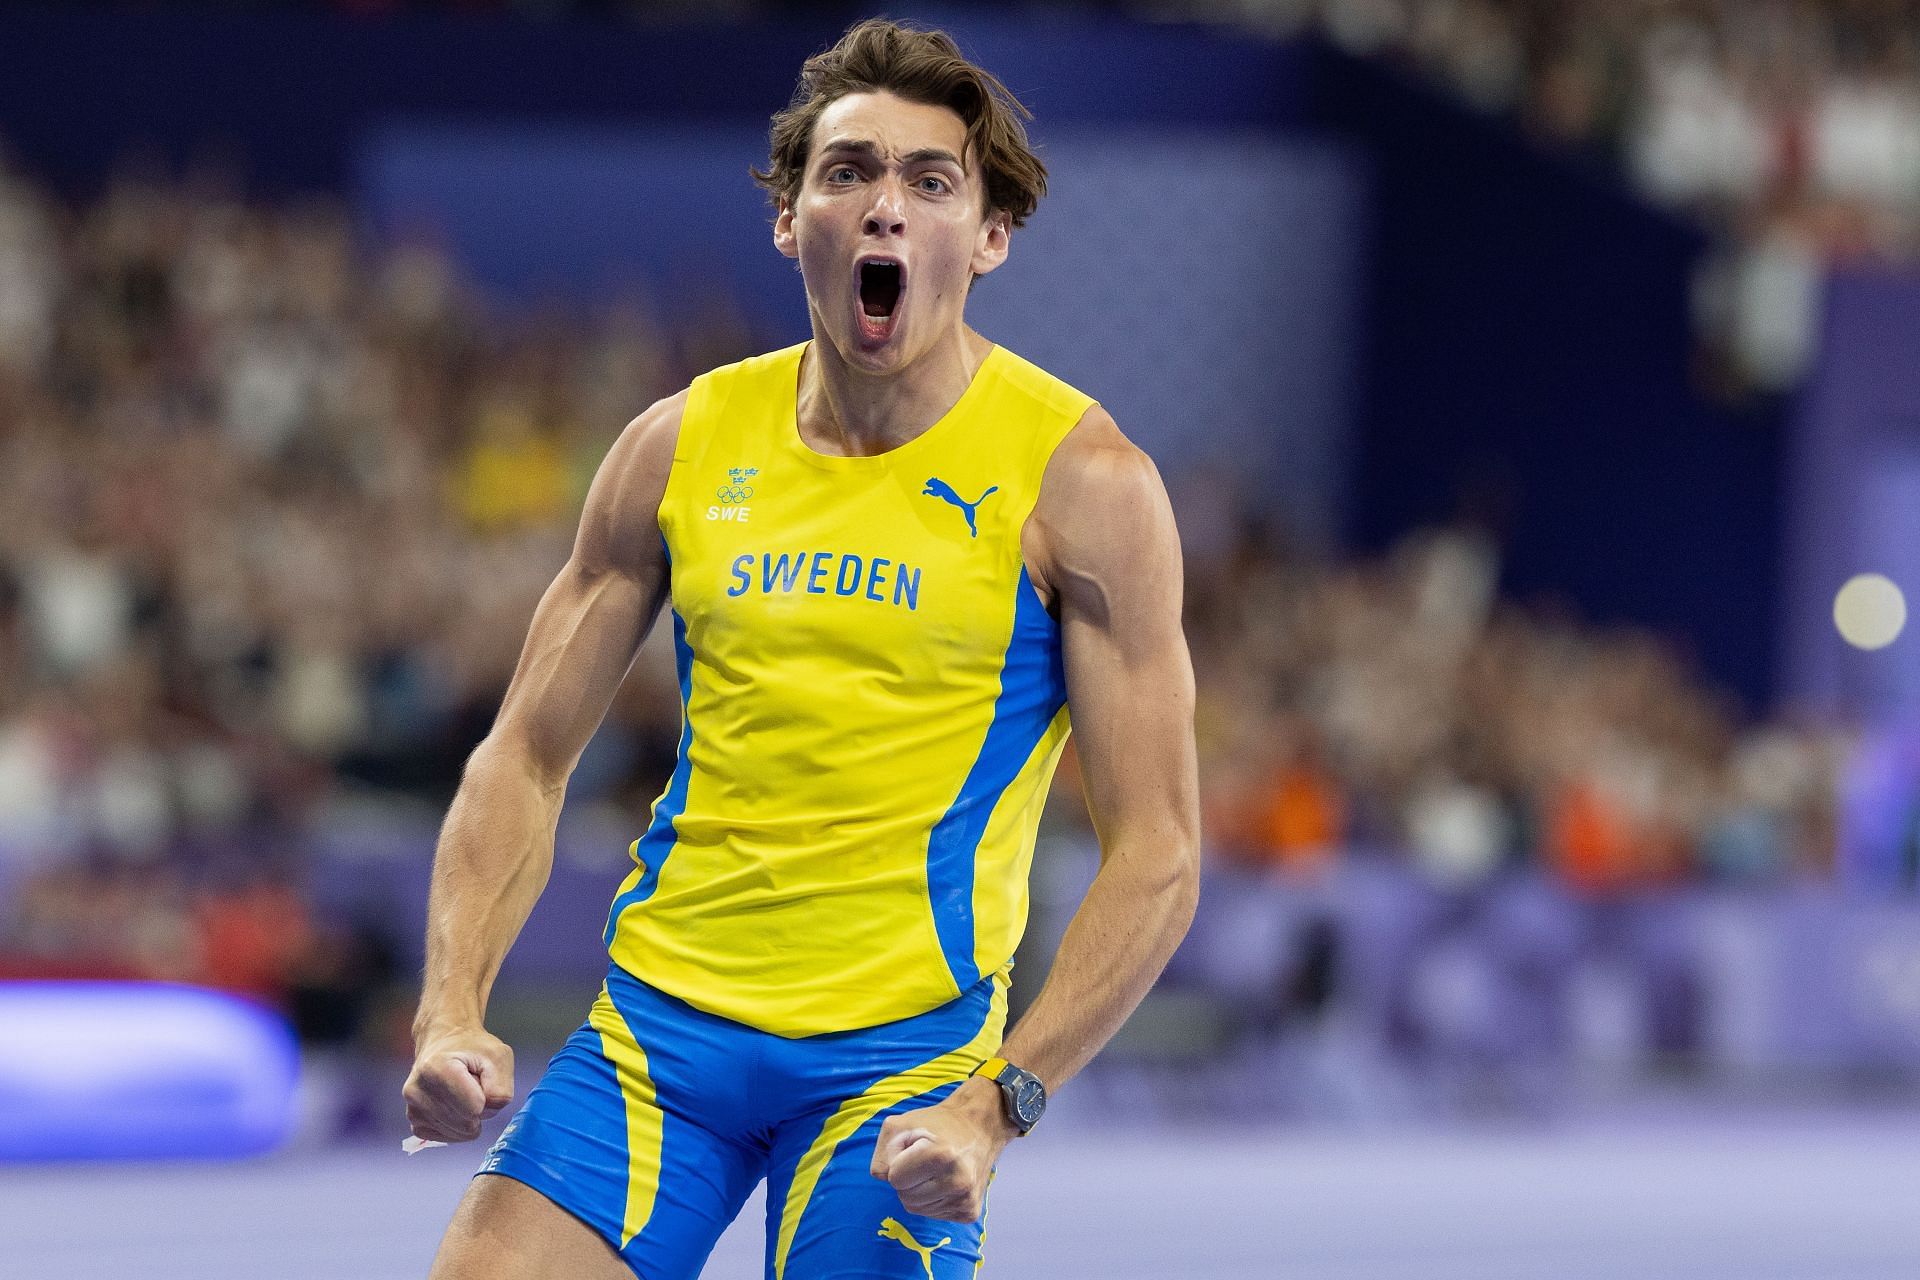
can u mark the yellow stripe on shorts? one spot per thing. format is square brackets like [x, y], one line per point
[862, 1107]
[643, 1113]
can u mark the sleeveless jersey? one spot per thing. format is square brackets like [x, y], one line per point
[872, 703]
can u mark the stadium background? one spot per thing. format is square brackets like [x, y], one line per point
[1528, 379]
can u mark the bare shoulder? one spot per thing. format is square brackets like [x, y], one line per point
[1103, 519]
[1096, 461]
[619, 529]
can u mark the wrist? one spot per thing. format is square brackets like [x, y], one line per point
[435, 1024]
[982, 1099]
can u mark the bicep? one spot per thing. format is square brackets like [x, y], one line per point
[599, 608]
[579, 647]
[1129, 675]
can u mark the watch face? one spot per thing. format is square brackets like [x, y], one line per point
[1030, 1099]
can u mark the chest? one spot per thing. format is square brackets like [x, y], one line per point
[880, 567]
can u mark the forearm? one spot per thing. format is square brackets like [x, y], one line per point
[493, 860]
[1118, 941]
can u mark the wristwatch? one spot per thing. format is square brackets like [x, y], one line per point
[1021, 1093]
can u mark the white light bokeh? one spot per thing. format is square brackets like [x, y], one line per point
[1870, 611]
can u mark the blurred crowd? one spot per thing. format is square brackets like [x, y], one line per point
[277, 512]
[1401, 706]
[1792, 126]
[279, 505]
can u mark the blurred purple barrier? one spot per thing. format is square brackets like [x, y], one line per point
[1513, 973]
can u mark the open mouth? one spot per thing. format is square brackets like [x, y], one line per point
[881, 284]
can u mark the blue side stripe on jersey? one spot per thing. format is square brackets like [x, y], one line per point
[659, 839]
[1033, 688]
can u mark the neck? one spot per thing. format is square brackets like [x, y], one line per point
[846, 411]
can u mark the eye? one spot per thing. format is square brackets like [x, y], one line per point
[934, 183]
[843, 174]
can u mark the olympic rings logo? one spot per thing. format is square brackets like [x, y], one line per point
[736, 493]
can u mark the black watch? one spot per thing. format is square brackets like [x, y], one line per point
[1022, 1095]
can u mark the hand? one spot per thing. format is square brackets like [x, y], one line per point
[459, 1078]
[939, 1158]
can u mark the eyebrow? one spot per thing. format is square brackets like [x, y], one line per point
[862, 147]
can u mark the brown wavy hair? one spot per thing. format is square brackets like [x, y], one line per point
[879, 55]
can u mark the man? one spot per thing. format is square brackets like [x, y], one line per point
[897, 555]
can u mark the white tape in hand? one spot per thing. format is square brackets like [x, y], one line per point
[414, 1146]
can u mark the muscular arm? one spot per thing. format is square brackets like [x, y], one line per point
[496, 848]
[1111, 556]
[1104, 545]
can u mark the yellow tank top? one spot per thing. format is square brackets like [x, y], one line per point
[872, 702]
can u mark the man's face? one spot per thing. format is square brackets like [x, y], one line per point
[889, 227]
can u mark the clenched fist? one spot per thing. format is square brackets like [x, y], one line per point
[459, 1079]
[940, 1158]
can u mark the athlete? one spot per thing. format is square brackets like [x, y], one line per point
[898, 557]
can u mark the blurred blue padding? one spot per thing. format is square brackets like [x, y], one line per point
[134, 1070]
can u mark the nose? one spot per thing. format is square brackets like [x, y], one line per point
[888, 214]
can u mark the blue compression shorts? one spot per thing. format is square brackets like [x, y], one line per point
[656, 1120]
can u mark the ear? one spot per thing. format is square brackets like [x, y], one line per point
[990, 247]
[783, 237]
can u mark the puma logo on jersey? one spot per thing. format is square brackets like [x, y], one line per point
[938, 488]
[890, 1229]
